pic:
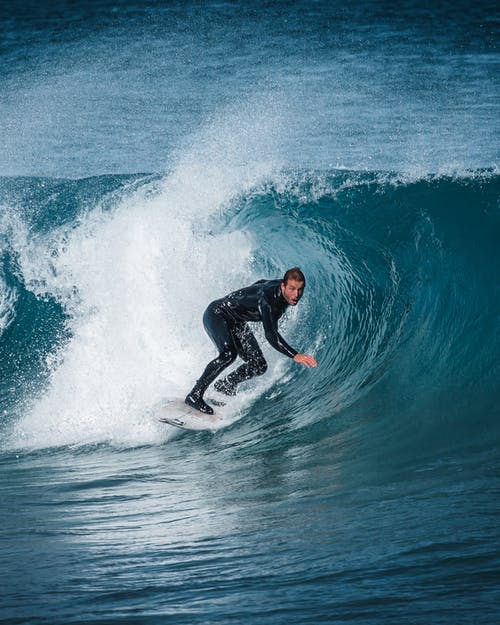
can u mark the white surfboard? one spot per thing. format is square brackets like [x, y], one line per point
[177, 413]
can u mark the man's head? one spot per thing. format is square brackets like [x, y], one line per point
[292, 285]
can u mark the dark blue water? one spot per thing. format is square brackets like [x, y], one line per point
[156, 156]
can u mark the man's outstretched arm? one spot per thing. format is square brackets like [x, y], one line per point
[271, 331]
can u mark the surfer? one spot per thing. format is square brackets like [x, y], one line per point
[225, 321]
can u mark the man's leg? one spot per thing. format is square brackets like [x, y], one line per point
[250, 352]
[219, 330]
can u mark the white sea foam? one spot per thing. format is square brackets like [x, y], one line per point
[135, 282]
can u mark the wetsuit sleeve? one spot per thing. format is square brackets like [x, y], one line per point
[270, 324]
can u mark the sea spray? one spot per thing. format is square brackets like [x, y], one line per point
[134, 281]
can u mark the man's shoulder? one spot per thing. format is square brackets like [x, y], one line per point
[267, 288]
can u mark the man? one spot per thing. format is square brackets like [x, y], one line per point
[225, 322]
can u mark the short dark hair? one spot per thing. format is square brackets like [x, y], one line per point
[294, 274]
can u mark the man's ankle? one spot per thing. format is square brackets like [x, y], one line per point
[199, 404]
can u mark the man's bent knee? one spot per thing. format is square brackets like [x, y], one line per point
[227, 356]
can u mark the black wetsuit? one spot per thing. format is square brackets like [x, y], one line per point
[225, 322]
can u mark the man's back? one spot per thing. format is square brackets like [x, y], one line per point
[247, 304]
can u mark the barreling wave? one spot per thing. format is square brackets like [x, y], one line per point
[103, 282]
[403, 310]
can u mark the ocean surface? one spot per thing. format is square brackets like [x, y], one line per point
[157, 155]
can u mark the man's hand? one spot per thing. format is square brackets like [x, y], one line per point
[305, 359]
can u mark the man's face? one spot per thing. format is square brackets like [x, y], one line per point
[292, 291]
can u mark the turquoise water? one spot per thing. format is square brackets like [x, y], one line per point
[155, 158]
